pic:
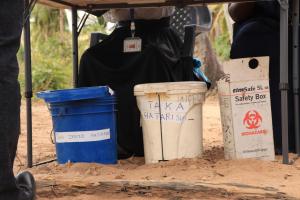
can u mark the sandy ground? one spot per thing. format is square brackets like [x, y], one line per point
[209, 177]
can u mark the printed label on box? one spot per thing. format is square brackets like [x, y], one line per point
[252, 118]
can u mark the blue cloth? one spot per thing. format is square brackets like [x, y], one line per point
[11, 14]
[198, 73]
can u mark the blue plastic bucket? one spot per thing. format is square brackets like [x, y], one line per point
[84, 124]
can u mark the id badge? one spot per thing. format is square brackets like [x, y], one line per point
[133, 44]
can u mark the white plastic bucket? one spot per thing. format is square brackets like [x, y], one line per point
[171, 118]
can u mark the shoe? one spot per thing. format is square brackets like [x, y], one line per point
[26, 183]
[122, 153]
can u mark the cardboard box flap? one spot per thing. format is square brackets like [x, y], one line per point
[247, 69]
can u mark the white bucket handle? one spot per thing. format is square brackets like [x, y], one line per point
[155, 91]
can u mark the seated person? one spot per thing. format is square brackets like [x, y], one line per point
[158, 61]
[256, 33]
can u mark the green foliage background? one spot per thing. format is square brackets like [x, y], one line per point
[51, 50]
[219, 35]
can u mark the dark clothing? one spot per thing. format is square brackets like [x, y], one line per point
[259, 36]
[159, 61]
[11, 14]
[266, 13]
[267, 9]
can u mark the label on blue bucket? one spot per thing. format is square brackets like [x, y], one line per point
[82, 136]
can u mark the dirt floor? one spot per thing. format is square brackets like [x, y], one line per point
[209, 177]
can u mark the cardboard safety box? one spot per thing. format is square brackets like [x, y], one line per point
[245, 105]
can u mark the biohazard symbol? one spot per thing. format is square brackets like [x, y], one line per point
[252, 119]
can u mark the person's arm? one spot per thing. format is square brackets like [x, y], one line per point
[241, 11]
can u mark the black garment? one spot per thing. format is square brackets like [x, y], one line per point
[159, 61]
[11, 14]
[259, 36]
[266, 13]
[267, 9]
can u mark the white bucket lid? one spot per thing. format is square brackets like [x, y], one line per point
[186, 87]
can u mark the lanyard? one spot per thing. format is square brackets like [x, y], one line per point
[132, 44]
[132, 23]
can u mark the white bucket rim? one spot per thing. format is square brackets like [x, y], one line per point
[185, 87]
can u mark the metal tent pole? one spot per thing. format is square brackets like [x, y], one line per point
[284, 84]
[296, 72]
[75, 46]
[28, 84]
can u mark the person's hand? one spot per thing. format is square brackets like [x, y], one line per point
[241, 11]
